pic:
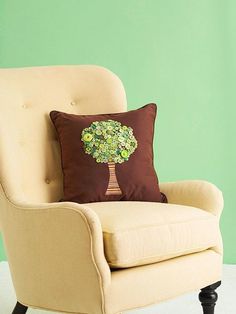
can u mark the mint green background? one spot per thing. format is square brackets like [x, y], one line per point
[180, 54]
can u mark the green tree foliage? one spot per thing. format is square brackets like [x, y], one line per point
[109, 141]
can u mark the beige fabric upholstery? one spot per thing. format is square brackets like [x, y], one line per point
[26, 97]
[197, 193]
[55, 250]
[138, 233]
[55, 254]
[144, 285]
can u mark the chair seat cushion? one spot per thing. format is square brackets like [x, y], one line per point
[138, 233]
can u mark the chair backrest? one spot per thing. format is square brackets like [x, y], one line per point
[30, 166]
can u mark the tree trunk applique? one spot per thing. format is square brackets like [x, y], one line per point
[109, 142]
[113, 185]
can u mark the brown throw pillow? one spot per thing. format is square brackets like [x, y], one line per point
[108, 157]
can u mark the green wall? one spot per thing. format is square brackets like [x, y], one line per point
[180, 54]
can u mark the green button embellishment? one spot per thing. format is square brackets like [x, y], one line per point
[109, 141]
[124, 154]
[98, 132]
[112, 143]
[87, 137]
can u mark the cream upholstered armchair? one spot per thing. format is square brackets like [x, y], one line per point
[57, 251]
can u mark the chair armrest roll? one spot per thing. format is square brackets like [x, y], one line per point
[53, 248]
[196, 193]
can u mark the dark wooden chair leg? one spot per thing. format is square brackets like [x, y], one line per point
[20, 309]
[208, 298]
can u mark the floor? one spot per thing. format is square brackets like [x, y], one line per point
[187, 304]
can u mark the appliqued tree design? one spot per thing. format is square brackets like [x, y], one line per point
[109, 142]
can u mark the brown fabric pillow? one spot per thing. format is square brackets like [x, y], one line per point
[108, 157]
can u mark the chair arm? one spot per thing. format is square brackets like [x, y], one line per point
[196, 193]
[55, 253]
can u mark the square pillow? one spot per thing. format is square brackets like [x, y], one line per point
[108, 157]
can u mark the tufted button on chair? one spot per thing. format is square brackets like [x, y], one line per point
[98, 258]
